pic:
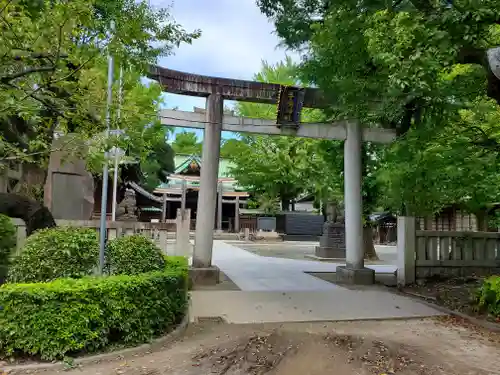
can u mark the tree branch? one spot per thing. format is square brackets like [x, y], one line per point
[10, 77]
[38, 55]
[396, 3]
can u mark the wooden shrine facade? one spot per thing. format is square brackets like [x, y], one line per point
[181, 191]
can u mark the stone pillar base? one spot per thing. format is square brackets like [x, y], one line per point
[329, 252]
[204, 276]
[362, 276]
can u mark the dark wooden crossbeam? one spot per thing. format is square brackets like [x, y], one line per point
[183, 83]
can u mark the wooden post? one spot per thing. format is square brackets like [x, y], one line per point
[164, 209]
[406, 249]
[219, 207]
[183, 197]
[237, 215]
[182, 221]
[21, 236]
[163, 240]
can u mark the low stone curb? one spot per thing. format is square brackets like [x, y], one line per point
[107, 357]
[478, 322]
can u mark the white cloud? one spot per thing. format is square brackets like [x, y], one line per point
[235, 38]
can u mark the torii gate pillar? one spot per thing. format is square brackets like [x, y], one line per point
[354, 271]
[207, 195]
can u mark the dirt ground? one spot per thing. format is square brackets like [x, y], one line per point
[454, 293]
[411, 347]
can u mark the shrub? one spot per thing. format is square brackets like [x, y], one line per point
[7, 244]
[72, 316]
[7, 238]
[56, 252]
[132, 255]
[176, 262]
[489, 296]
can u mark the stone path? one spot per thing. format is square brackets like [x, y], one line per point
[278, 290]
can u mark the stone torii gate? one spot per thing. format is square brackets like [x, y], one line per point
[213, 122]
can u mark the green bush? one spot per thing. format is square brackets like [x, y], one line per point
[7, 238]
[74, 316]
[7, 244]
[133, 255]
[56, 252]
[489, 296]
[176, 262]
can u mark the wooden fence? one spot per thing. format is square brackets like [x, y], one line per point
[428, 253]
[172, 236]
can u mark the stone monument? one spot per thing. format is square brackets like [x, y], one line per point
[332, 242]
[69, 187]
[126, 210]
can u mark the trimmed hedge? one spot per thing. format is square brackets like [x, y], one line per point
[489, 296]
[53, 253]
[72, 316]
[176, 262]
[132, 255]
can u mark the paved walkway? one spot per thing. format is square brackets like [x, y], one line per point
[255, 273]
[278, 290]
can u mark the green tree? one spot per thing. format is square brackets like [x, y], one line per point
[231, 147]
[53, 74]
[417, 66]
[187, 142]
[284, 167]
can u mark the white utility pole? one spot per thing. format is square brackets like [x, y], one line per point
[117, 156]
[105, 172]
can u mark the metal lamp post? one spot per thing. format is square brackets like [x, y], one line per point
[117, 154]
[105, 172]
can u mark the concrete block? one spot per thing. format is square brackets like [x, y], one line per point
[361, 276]
[406, 248]
[329, 252]
[204, 276]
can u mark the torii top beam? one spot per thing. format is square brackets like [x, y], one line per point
[178, 82]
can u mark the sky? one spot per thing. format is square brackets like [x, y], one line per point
[235, 39]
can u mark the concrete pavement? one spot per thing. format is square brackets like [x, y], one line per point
[251, 272]
[279, 290]
[309, 306]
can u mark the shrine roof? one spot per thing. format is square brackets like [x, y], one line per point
[183, 161]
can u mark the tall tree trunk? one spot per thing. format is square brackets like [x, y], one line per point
[369, 247]
[482, 220]
[368, 201]
[285, 204]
